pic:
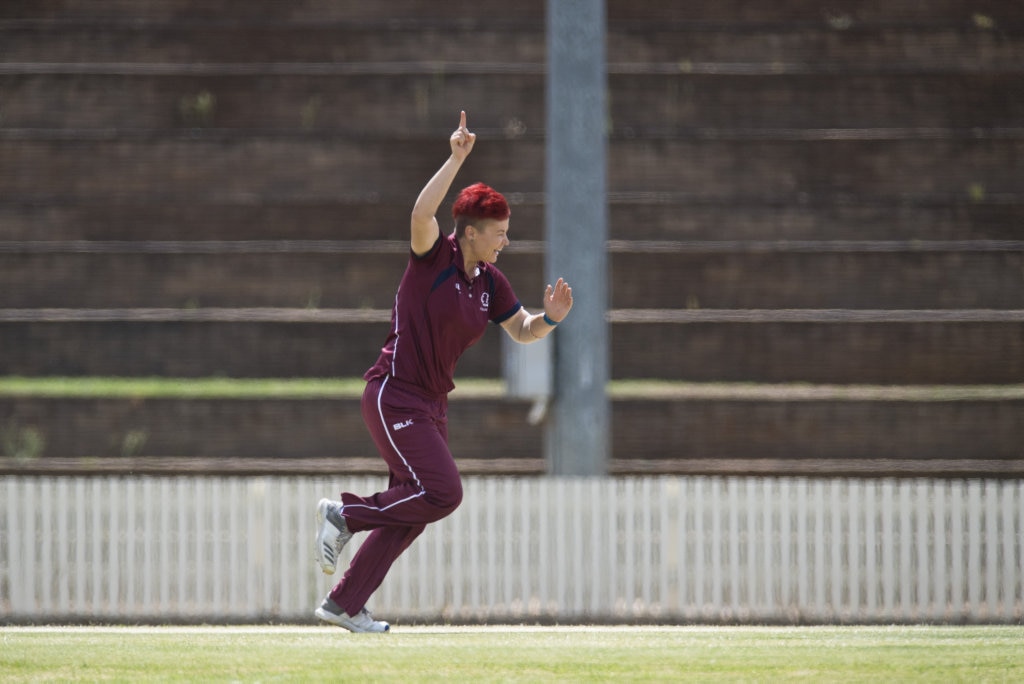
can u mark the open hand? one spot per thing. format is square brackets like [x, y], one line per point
[558, 300]
[462, 140]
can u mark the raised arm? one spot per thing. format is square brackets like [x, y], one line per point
[424, 227]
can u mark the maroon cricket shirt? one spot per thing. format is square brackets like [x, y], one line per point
[440, 312]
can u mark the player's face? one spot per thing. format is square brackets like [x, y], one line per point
[489, 239]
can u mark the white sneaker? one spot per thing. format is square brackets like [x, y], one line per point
[362, 621]
[332, 535]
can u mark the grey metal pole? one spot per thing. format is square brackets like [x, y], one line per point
[578, 427]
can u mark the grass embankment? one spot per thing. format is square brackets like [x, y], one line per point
[244, 388]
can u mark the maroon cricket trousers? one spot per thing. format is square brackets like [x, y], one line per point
[411, 433]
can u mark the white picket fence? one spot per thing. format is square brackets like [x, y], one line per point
[524, 549]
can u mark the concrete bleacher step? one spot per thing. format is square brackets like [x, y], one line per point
[211, 167]
[670, 428]
[119, 42]
[257, 428]
[642, 274]
[380, 99]
[504, 100]
[637, 11]
[737, 12]
[275, 11]
[901, 33]
[817, 275]
[883, 347]
[831, 346]
[631, 216]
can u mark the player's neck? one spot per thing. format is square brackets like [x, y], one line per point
[470, 260]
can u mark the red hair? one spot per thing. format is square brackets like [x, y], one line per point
[479, 202]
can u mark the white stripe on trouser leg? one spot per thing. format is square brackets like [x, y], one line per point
[394, 446]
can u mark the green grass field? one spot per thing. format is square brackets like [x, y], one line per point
[514, 654]
[284, 388]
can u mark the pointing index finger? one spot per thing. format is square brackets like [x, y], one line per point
[462, 120]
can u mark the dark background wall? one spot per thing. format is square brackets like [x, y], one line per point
[803, 201]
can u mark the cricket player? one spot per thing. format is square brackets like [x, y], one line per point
[450, 290]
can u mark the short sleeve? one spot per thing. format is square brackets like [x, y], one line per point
[430, 255]
[504, 303]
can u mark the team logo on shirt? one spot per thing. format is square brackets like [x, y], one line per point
[485, 301]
